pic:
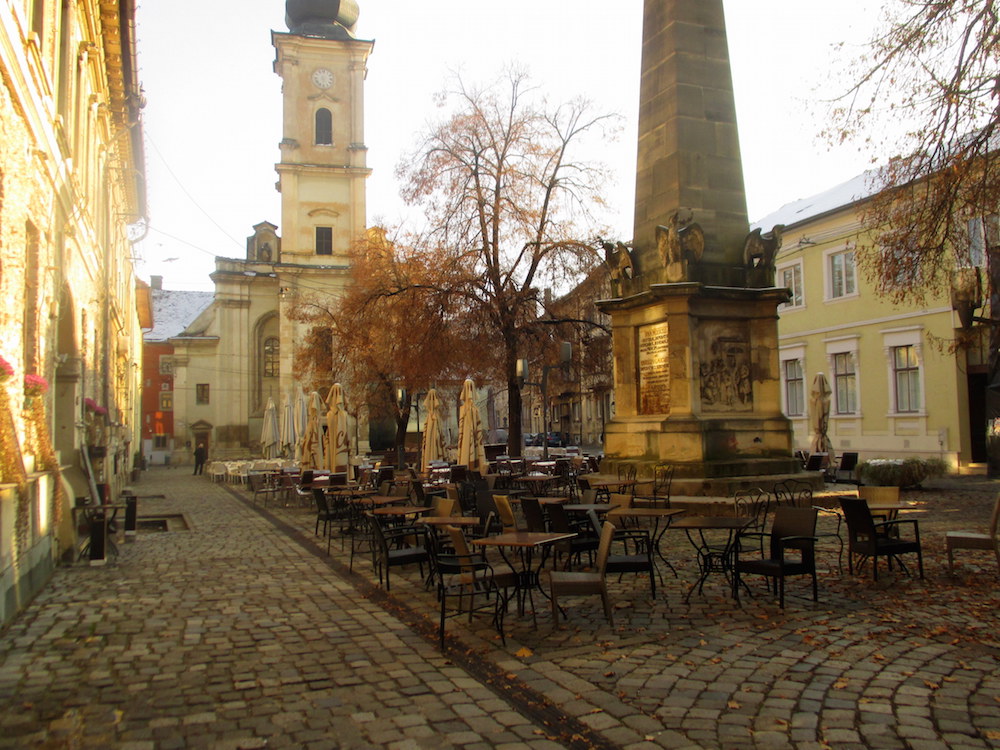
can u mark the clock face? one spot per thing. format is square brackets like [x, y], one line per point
[322, 78]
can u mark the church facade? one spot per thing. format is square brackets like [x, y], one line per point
[239, 352]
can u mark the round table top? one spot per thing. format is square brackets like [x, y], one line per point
[711, 522]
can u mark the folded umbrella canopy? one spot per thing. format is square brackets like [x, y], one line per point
[471, 448]
[300, 414]
[270, 436]
[337, 446]
[286, 431]
[432, 446]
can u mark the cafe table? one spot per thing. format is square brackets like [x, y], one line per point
[398, 511]
[536, 483]
[606, 485]
[587, 507]
[448, 520]
[706, 535]
[526, 574]
[658, 516]
[555, 500]
[378, 501]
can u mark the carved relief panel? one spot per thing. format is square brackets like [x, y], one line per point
[724, 371]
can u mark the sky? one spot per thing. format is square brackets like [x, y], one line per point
[213, 118]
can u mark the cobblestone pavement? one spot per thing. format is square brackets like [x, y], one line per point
[242, 633]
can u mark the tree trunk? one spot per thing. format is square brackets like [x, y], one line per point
[402, 422]
[514, 410]
[993, 382]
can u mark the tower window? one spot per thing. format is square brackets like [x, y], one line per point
[324, 240]
[324, 127]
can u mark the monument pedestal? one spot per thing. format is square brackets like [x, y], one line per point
[697, 383]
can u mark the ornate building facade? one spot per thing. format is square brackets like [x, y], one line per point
[72, 197]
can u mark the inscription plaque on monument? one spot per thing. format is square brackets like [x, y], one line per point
[654, 369]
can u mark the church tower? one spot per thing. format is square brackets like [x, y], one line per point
[323, 169]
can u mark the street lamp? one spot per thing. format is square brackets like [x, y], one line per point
[565, 357]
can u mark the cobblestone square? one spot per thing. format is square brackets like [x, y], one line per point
[241, 633]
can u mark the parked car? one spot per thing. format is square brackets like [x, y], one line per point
[532, 438]
[555, 440]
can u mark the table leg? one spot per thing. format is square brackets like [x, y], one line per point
[657, 536]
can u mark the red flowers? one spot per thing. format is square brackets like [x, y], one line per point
[35, 385]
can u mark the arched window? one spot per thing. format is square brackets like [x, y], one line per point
[324, 127]
[271, 351]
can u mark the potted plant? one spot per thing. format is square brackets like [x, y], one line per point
[900, 472]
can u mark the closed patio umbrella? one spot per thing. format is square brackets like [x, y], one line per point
[270, 436]
[819, 414]
[432, 446]
[287, 435]
[471, 449]
[311, 444]
[337, 446]
[300, 414]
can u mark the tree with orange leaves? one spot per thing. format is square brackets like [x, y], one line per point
[390, 330]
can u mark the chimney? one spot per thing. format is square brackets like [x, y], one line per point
[156, 282]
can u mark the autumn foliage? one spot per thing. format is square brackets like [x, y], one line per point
[927, 89]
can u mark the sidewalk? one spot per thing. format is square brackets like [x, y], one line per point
[230, 635]
[241, 633]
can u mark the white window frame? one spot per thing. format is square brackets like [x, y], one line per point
[978, 230]
[894, 339]
[828, 275]
[792, 304]
[787, 354]
[844, 345]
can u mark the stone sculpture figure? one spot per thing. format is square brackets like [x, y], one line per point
[759, 250]
[618, 257]
[682, 239]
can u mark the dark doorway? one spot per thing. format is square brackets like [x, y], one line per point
[977, 416]
[203, 439]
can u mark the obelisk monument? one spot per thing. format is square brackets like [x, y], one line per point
[695, 325]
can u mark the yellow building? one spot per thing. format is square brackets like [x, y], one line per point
[71, 196]
[896, 390]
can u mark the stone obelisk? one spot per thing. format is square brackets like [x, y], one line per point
[689, 146]
[695, 323]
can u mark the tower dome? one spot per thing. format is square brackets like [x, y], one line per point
[331, 19]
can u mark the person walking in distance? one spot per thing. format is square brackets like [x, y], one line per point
[200, 454]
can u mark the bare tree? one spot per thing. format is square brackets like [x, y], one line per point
[934, 68]
[509, 208]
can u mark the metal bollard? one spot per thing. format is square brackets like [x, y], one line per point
[131, 514]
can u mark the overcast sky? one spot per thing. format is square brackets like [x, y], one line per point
[213, 117]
